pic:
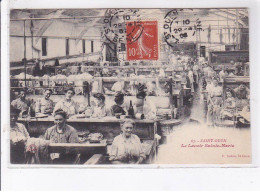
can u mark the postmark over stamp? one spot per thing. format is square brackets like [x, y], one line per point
[142, 40]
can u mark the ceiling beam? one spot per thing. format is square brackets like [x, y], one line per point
[228, 12]
[47, 24]
[229, 18]
[92, 23]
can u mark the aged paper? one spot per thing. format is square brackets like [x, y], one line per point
[129, 86]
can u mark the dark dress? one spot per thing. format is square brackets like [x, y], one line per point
[117, 109]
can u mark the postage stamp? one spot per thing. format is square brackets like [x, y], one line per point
[142, 40]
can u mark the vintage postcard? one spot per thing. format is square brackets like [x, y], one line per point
[129, 86]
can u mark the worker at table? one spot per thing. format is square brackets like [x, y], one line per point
[45, 105]
[242, 92]
[21, 103]
[117, 108]
[214, 101]
[151, 88]
[143, 105]
[62, 133]
[229, 105]
[211, 73]
[126, 147]
[18, 137]
[222, 74]
[242, 95]
[99, 108]
[67, 104]
[245, 114]
[205, 69]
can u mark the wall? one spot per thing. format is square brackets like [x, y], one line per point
[55, 46]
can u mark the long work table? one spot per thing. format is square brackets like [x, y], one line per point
[109, 127]
[86, 147]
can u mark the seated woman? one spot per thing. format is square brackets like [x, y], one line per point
[45, 105]
[62, 133]
[143, 105]
[126, 147]
[151, 88]
[229, 106]
[245, 114]
[214, 101]
[242, 92]
[99, 109]
[211, 73]
[117, 108]
[222, 74]
[18, 138]
[242, 95]
[67, 104]
[21, 103]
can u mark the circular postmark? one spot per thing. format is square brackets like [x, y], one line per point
[136, 31]
[115, 22]
[180, 25]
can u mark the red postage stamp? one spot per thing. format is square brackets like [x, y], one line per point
[142, 40]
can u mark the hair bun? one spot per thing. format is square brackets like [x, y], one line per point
[60, 112]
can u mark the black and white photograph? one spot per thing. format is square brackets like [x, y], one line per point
[129, 86]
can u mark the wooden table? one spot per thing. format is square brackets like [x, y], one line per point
[108, 126]
[90, 148]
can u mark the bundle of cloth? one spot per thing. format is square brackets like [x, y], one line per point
[36, 151]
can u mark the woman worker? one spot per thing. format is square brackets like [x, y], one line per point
[21, 103]
[67, 104]
[143, 105]
[62, 133]
[117, 108]
[18, 138]
[45, 105]
[126, 147]
[242, 95]
[245, 114]
[214, 101]
[229, 106]
[99, 109]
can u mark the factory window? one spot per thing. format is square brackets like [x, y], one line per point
[67, 47]
[44, 46]
[83, 46]
[92, 46]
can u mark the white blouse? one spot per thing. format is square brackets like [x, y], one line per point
[19, 132]
[126, 149]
